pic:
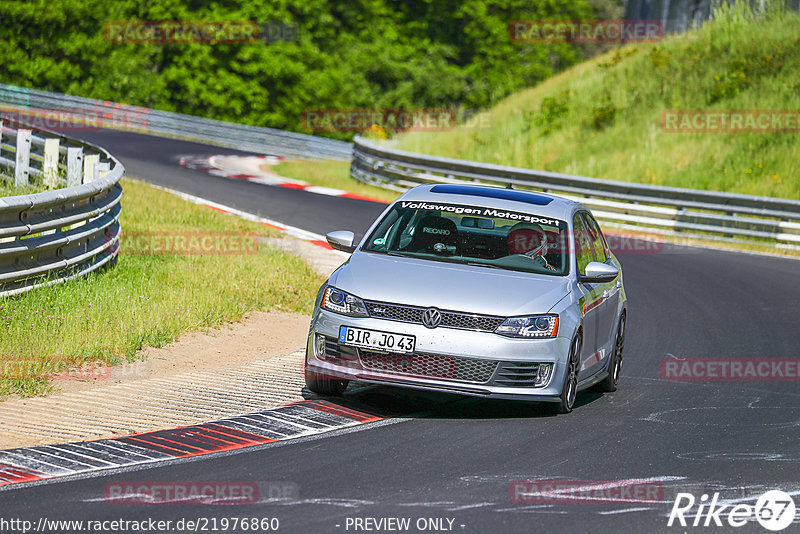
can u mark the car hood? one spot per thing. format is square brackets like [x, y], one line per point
[448, 286]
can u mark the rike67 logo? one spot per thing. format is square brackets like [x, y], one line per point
[774, 510]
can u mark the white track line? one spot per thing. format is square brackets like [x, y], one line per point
[293, 231]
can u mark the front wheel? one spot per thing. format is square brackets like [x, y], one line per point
[609, 384]
[570, 389]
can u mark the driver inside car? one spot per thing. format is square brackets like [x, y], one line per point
[529, 239]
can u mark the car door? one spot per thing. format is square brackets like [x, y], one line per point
[607, 310]
[590, 300]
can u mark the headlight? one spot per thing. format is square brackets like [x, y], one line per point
[338, 301]
[535, 326]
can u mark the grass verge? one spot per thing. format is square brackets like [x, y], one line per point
[8, 189]
[602, 118]
[105, 318]
[331, 173]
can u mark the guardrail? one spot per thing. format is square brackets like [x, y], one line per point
[638, 207]
[631, 206]
[57, 235]
[166, 123]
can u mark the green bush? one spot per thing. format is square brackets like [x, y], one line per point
[454, 54]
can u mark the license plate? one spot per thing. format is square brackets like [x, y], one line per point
[376, 340]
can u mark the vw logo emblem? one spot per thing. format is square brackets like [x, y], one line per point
[431, 318]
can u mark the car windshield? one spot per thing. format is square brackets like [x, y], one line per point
[473, 235]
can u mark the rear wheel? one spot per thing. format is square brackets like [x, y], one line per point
[609, 384]
[326, 385]
[570, 389]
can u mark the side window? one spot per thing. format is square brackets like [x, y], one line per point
[598, 242]
[583, 247]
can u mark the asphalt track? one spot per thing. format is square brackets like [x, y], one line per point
[155, 159]
[443, 456]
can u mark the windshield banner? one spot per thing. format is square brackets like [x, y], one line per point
[482, 212]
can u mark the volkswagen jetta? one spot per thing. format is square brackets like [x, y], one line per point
[474, 290]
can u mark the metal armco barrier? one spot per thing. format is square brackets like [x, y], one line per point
[56, 235]
[631, 206]
[627, 205]
[99, 113]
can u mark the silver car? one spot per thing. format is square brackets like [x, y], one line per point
[476, 290]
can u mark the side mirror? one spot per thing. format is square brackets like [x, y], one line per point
[599, 272]
[342, 240]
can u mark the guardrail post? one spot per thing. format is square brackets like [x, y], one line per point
[21, 171]
[74, 165]
[90, 162]
[103, 168]
[50, 165]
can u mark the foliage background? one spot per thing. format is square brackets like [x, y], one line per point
[348, 54]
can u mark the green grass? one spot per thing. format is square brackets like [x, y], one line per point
[331, 173]
[105, 318]
[602, 117]
[8, 189]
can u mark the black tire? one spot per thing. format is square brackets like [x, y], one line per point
[569, 390]
[325, 385]
[609, 383]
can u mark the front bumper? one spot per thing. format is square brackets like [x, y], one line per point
[473, 349]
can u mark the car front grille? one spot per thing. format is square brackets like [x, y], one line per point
[394, 312]
[437, 366]
[517, 374]
[424, 365]
[450, 319]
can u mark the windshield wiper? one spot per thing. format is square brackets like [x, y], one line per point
[387, 253]
[489, 265]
